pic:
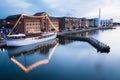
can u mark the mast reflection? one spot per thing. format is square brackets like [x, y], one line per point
[35, 49]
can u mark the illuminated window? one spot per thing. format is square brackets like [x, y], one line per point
[20, 22]
[8, 22]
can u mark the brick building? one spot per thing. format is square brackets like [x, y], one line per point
[69, 23]
[83, 22]
[28, 24]
[25, 24]
[91, 22]
[55, 22]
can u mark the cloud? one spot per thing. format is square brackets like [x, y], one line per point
[85, 8]
[9, 7]
[76, 8]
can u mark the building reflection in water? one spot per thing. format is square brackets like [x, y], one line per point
[42, 48]
[64, 41]
[87, 33]
[2, 49]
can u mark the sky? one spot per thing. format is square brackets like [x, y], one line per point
[61, 8]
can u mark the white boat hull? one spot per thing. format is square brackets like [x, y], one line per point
[28, 41]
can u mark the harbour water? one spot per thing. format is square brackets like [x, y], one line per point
[62, 59]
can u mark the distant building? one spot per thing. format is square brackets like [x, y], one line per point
[87, 23]
[69, 23]
[91, 22]
[107, 22]
[83, 22]
[96, 22]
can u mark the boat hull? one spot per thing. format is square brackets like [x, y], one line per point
[28, 41]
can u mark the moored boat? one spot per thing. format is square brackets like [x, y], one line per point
[31, 38]
[27, 29]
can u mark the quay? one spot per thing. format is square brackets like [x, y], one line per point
[77, 31]
[83, 30]
[95, 43]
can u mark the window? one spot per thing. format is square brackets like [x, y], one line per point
[8, 22]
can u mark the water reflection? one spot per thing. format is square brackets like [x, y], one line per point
[98, 45]
[64, 41]
[2, 49]
[37, 48]
[42, 48]
[88, 33]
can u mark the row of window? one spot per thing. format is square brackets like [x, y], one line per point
[32, 24]
[32, 28]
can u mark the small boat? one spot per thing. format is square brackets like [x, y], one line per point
[29, 38]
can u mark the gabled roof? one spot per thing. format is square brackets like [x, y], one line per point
[13, 16]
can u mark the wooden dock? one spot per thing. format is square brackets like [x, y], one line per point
[95, 43]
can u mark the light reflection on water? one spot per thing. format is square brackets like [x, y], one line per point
[38, 63]
[72, 60]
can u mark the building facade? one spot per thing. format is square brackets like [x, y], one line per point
[107, 22]
[96, 22]
[28, 24]
[69, 23]
[25, 24]
[55, 22]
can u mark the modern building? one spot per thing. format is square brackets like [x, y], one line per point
[96, 22]
[107, 22]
